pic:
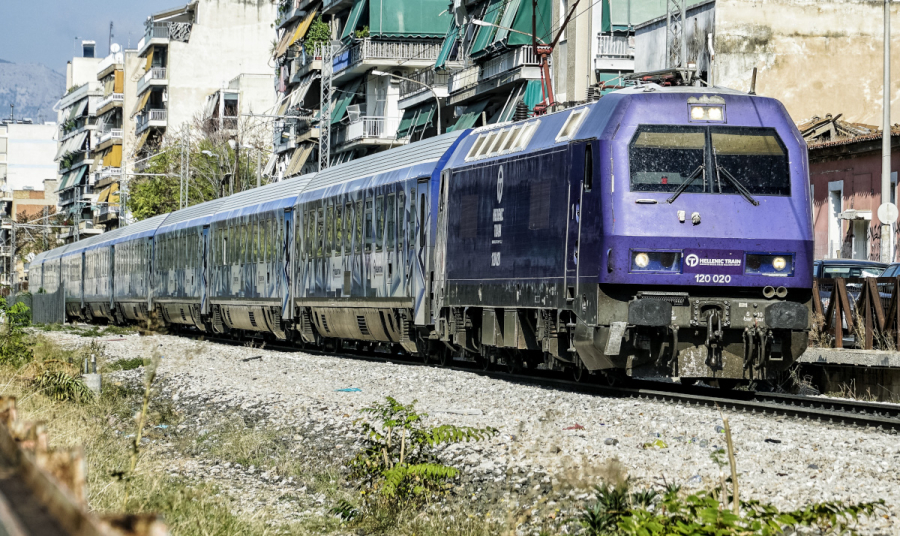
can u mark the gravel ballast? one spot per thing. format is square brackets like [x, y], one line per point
[552, 445]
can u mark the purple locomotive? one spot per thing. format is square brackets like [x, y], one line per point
[658, 231]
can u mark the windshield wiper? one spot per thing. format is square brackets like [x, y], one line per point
[734, 182]
[685, 184]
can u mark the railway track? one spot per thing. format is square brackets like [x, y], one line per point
[885, 417]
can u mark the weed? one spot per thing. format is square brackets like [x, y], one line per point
[60, 386]
[14, 347]
[125, 364]
[818, 335]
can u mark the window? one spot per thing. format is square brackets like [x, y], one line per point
[525, 136]
[329, 231]
[348, 228]
[539, 210]
[665, 157]
[390, 223]
[310, 232]
[401, 215]
[570, 127]
[338, 229]
[320, 232]
[358, 235]
[509, 139]
[368, 226]
[411, 224]
[422, 222]
[379, 219]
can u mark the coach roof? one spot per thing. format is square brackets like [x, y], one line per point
[279, 195]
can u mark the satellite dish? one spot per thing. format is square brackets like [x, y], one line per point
[114, 48]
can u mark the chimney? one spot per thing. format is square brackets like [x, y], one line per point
[88, 48]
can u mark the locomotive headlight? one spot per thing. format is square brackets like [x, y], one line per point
[715, 113]
[779, 264]
[697, 113]
[775, 265]
[707, 113]
[641, 260]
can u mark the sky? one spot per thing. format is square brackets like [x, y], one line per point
[45, 31]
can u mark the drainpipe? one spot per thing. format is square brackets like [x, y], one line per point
[886, 136]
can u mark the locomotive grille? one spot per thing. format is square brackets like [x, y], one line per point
[252, 318]
[675, 298]
[363, 327]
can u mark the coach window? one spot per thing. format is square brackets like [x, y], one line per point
[390, 217]
[369, 226]
[338, 229]
[588, 168]
[358, 232]
[329, 230]
[422, 222]
[379, 222]
[401, 215]
[320, 232]
[348, 228]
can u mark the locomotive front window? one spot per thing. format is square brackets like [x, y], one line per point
[721, 160]
[664, 158]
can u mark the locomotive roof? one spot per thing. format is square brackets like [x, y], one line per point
[416, 159]
[266, 198]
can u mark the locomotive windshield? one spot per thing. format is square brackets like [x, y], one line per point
[721, 160]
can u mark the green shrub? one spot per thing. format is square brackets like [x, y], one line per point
[14, 347]
[60, 386]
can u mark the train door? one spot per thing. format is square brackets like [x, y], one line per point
[203, 269]
[420, 277]
[575, 167]
[286, 240]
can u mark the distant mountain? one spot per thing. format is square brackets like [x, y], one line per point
[33, 89]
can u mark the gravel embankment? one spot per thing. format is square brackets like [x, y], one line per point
[552, 445]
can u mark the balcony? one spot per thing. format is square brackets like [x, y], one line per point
[333, 6]
[291, 10]
[150, 118]
[110, 134]
[107, 103]
[283, 137]
[615, 53]
[88, 89]
[74, 160]
[107, 176]
[106, 214]
[309, 59]
[5, 251]
[517, 64]
[421, 86]
[155, 33]
[367, 130]
[366, 53]
[156, 76]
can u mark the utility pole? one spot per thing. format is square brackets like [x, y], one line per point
[675, 33]
[325, 106]
[12, 258]
[886, 137]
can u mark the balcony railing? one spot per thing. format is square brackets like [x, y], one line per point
[156, 30]
[303, 63]
[425, 76]
[112, 97]
[111, 133]
[367, 127]
[146, 119]
[283, 135]
[464, 78]
[615, 46]
[368, 49]
[155, 73]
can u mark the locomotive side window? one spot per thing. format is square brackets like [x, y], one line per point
[570, 127]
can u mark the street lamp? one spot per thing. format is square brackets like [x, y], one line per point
[437, 101]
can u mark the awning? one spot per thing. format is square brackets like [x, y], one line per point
[109, 194]
[447, 48]
[283, 43]
[509, 108]
[71, 145]
[285, 102]
[486, 33]
[409, 117]
[98, 158]
[533, 94]
[605, 23]
[104, 195]
[141, 104]
[402, 18]
[522, 23]
[119, 85]
[140, 142]
[78, 109]
[270, 165]
[424, 118]
[509, 16]
[113, 157]
[302, 28]
[344, 96]
[298, 159]
[149, 63]
[353, 19]
[470, 117]
[64, 181]
[72, 178]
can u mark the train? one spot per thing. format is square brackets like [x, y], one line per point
[657, 231]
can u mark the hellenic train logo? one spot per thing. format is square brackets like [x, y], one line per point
[692, 260]
[500, 185]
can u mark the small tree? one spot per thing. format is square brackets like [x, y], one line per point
[14, 348]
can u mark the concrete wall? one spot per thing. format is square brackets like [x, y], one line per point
[651, 44]
[257, 92]
[816, 56]
[858, 175]
[230, 37]
[30, 158]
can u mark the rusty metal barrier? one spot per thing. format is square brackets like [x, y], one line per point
[42, 490]
[841, 304]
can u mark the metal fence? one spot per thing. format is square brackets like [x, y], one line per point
[860, 312]
[49, 307]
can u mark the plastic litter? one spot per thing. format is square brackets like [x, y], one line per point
[720, 429]
[704, 443]
[348, 390]
[775, 441]
[658, 444]
[655, 434]
[694, 481]
[575, 426]
[611, 441]
[162, 426]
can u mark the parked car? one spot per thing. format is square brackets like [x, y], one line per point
[892, 271]
[831, 268]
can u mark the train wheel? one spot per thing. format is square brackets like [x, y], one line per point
[443, 356]
[513, 363]
[579, 373]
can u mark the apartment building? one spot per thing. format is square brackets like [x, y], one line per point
[188, 53]
[376, 44]
[111, 126]
[77, 135]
